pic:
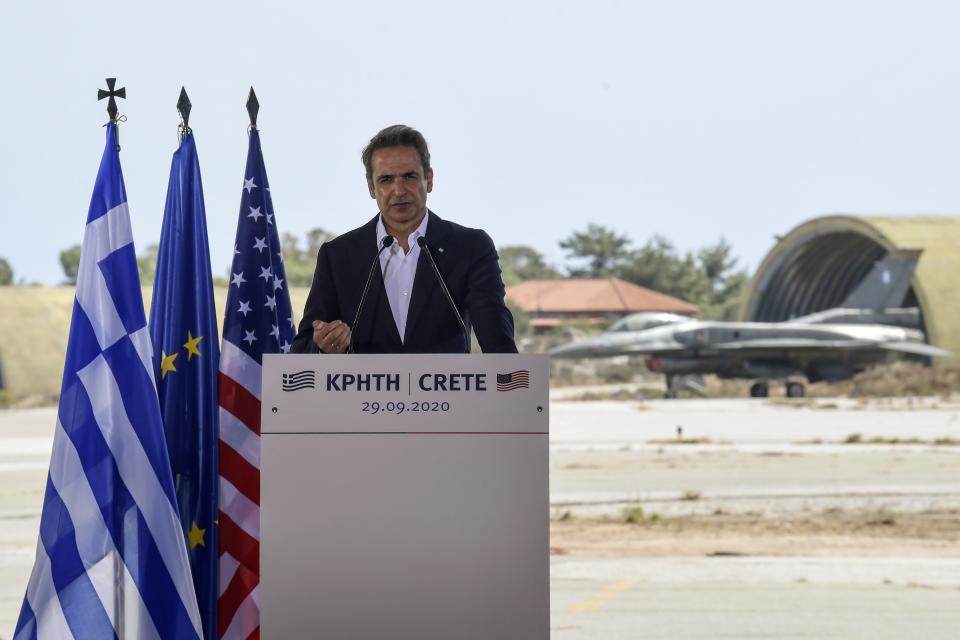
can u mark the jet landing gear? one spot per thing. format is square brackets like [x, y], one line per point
[762, 390]
[796, 390]
[672, 387]
[759, 390]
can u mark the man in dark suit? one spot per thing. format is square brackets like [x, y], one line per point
[406, 310]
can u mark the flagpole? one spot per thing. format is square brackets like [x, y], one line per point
[118, 568]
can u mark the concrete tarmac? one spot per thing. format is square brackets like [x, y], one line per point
[754, 456]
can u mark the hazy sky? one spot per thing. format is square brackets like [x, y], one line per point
[693, 120]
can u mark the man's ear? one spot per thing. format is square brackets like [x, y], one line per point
[370, 189]
[429, 177]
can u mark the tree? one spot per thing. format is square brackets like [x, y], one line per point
[147, 264]
[6, 273]
[603, 250]
[298, 263]
[520, 262]
[706, 278]
[717, 260]
[521, 320]
[70, 262]
[727, 285]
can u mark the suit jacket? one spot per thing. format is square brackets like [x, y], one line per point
[469, 264]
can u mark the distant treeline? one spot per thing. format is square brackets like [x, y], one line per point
[708, 277]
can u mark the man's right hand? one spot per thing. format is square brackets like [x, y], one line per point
[331, 337]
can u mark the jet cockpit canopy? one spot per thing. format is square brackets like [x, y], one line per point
[646, 320]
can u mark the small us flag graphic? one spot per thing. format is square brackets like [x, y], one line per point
[513, 380]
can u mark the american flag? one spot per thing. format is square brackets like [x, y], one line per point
[513, 380]
[111, 560]
[258, 320]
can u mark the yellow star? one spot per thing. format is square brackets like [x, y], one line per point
[166, 364]
[191, 345]
[195, 536]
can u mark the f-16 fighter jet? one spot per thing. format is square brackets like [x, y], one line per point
[868, 328]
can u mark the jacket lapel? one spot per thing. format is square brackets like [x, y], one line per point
[424, 282]
[377, 306]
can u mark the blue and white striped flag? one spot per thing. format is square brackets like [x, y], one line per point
[111, 559]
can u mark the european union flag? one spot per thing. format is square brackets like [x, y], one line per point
[111, 562]
[184, 330]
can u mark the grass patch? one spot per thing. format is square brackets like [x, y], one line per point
[856, 438]
[681, 440]
[637, 516]
[803, 403]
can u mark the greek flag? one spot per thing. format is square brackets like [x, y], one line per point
[111, 559]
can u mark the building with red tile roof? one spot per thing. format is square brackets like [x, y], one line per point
[590, 300]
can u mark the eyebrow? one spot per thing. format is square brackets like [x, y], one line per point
[393, 175]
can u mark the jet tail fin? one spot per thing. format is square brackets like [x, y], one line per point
[887, 283]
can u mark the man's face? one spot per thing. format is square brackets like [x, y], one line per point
[400, 186]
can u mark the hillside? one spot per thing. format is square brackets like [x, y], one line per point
[34, 324]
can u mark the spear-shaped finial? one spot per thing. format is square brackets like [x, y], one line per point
[183, 106]
[111, 93]
[253, 108]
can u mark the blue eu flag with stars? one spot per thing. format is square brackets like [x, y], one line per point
[186, 356]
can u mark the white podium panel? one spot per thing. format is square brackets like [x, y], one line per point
[404, 510]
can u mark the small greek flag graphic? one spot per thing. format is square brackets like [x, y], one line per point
[299, 380]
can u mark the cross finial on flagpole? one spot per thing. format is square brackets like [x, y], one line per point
[112, 93]
[253, 108]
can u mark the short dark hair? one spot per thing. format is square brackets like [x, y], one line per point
[398, 135]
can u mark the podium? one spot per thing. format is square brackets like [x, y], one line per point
[405, 496]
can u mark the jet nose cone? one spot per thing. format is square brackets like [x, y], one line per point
[577, 349]
[572, 350]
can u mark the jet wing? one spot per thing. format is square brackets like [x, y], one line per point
[917, 348]
[791, 343]
[650, 350]
[807, 344]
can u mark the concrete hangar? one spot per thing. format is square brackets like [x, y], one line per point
[818, 263]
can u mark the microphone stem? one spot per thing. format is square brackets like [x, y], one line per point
[366, 289]
[446, 292]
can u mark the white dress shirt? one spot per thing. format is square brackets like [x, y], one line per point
[398, 270]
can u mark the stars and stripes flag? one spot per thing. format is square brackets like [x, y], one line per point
[513, 380]
[111, 559]
[183, 325]
[258, 320]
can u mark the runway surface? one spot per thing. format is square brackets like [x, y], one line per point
[759, 521]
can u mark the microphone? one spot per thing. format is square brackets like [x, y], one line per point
[386, 242]
[422, 241]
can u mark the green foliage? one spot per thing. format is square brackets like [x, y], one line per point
[521, 320]
[707, 278]
[636, 515]
[520, 262]
[70, 263]
[602, 250]
[299, 264]
[6, 273]
[147, 264]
